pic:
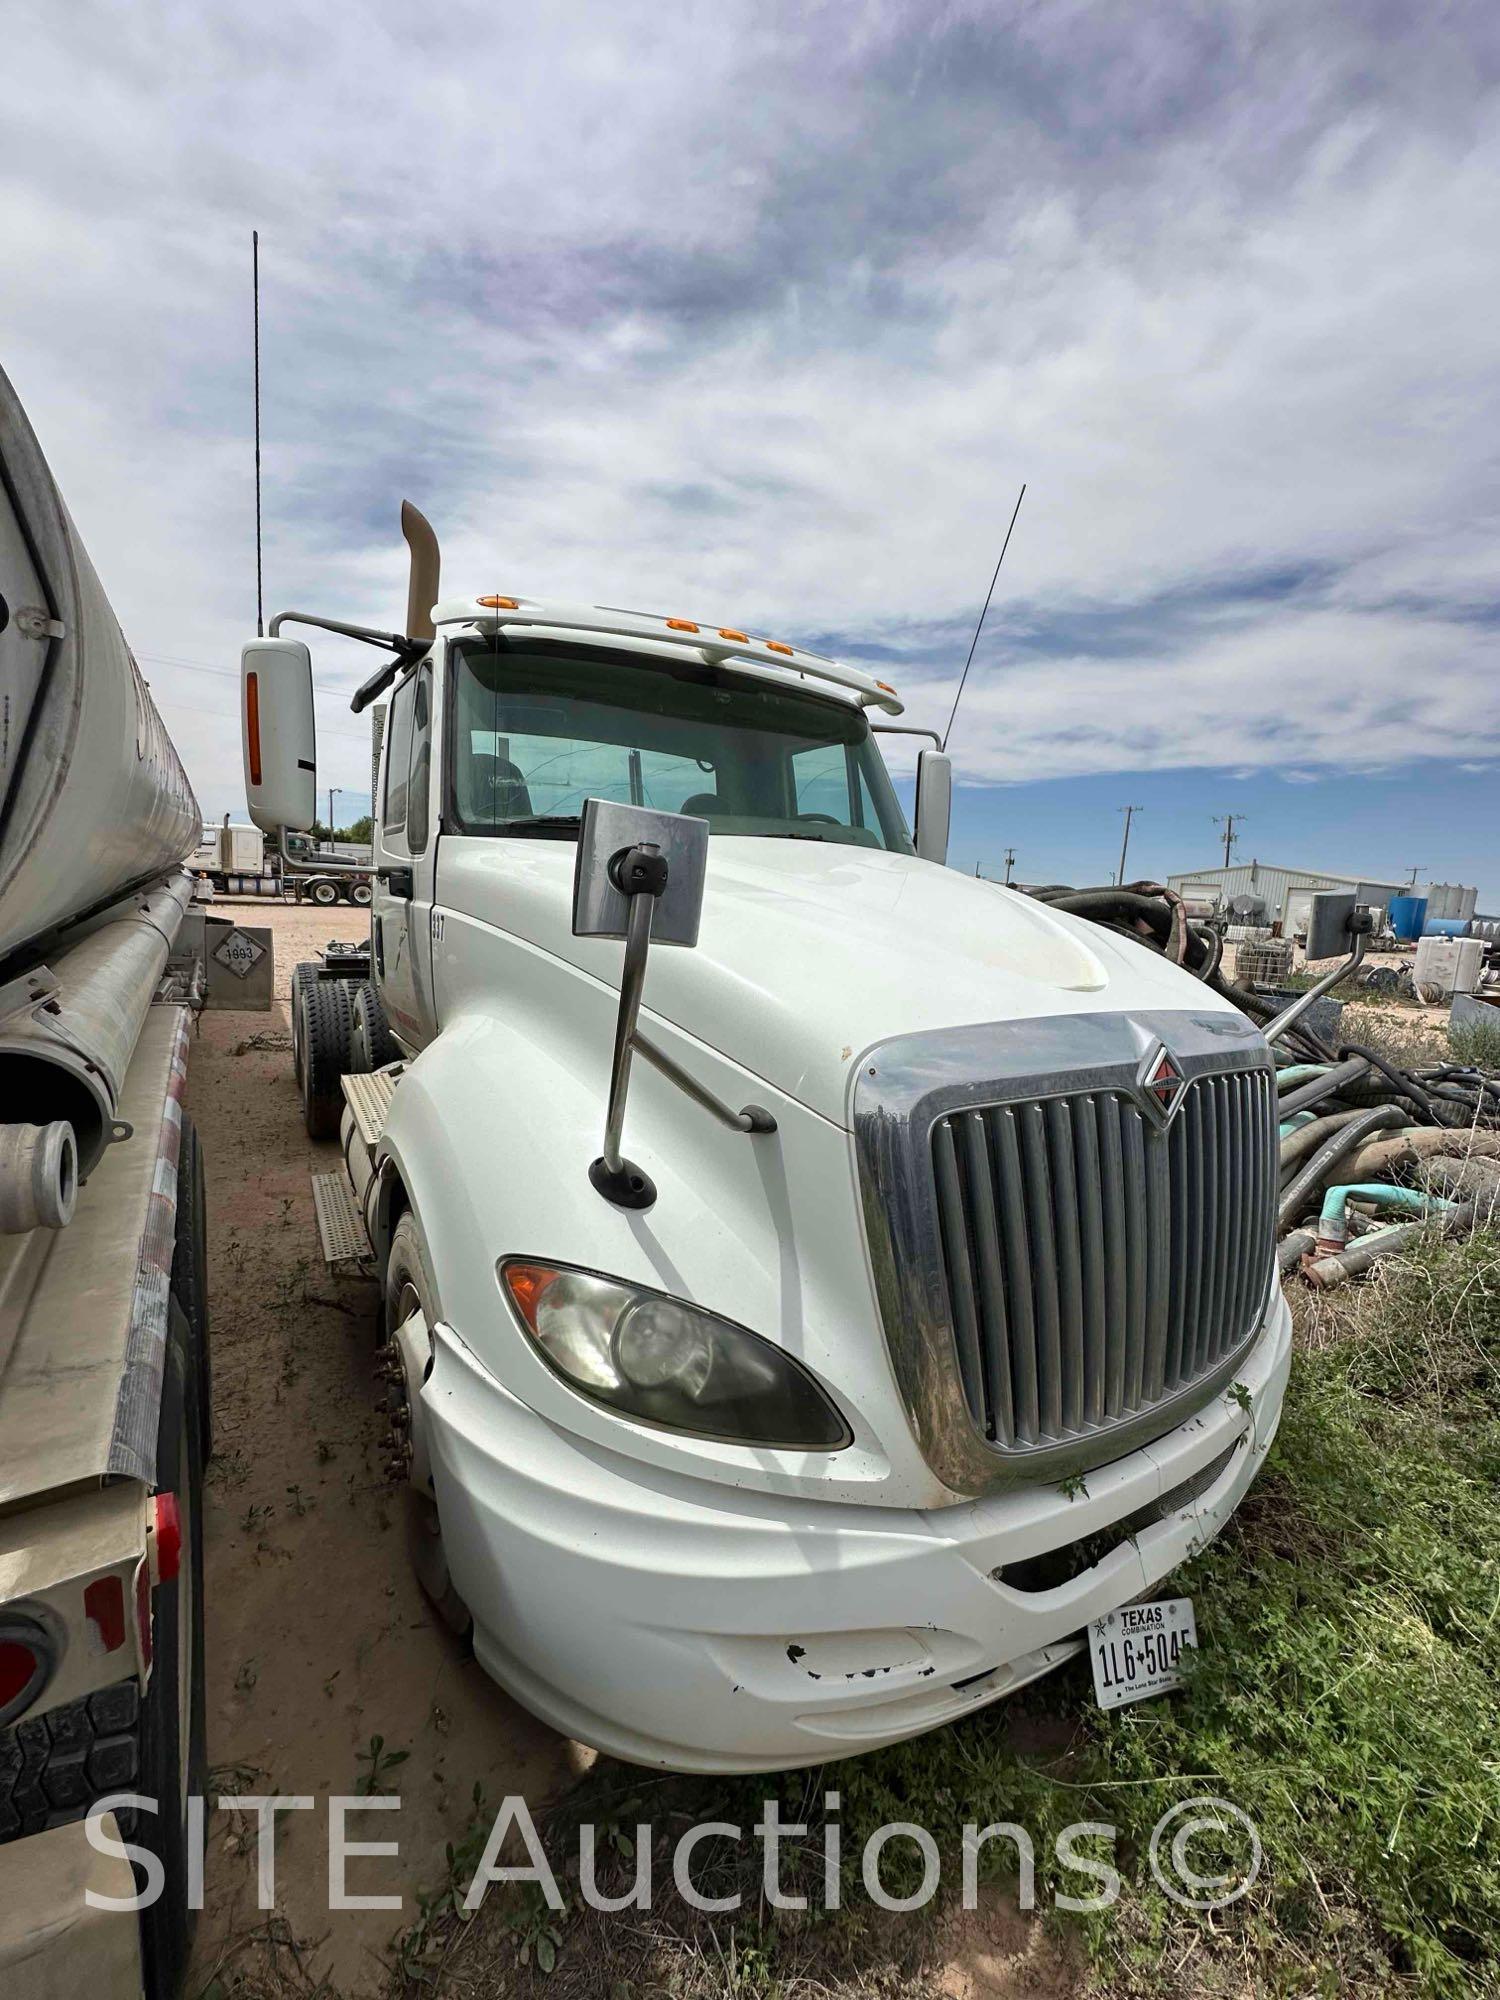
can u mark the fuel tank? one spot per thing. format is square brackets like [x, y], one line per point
[94, 801]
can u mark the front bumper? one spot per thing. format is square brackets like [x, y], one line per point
[687, 1624]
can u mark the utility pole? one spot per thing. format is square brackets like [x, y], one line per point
[1010, 861]
[1229, 821]
[1130, 813]
[1412, 874]
[333, 792]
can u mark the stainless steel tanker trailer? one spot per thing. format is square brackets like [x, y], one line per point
[104, 1373]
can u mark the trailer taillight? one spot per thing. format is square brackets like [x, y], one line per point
[252, 725]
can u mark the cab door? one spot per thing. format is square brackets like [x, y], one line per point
[405, 863]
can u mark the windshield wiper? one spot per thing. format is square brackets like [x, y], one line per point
[542, 823]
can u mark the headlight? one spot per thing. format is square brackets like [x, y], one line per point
[665, 1362]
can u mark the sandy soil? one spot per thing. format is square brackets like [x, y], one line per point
[318, 1637]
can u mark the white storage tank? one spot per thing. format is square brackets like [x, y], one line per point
[1449, 899]
[93, 799]
[1445, 966]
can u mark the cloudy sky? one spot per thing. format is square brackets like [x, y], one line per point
[765, 312]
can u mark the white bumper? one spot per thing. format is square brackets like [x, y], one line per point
[685, 1623]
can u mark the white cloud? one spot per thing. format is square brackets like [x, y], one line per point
[766, 314]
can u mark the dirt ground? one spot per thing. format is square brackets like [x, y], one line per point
[319, 1640]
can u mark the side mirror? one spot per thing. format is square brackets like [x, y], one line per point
[278, 733]
[934, 804]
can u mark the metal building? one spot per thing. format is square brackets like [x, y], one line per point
[1260, 892]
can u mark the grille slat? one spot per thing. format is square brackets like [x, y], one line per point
[1017, 1258]
[1096, 1265]
[951, 1212]
[990, 1274]
[1092, 1257]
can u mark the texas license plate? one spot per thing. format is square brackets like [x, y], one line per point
[1137, 1651]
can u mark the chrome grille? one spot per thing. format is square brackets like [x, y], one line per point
[1097, 1266]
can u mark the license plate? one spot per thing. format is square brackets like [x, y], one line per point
[1137, 1651]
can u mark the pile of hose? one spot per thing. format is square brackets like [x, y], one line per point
[1359, 1134]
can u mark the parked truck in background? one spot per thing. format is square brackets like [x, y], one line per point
[240, 861]
[104, 1390]
[801, 1326]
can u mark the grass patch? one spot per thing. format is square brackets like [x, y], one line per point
[1347, 1698]
[1476, 1044]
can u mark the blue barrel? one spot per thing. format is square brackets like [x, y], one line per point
[1446, 927]
[1406, 914]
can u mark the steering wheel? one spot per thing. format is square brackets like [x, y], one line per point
[823, 819]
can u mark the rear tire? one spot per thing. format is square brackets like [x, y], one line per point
[372, 1044]
[362, 894]
[327, 1016]
[173, 1760]
[190, 1272]
[408, 1287]
[324, 894]
[302, 977]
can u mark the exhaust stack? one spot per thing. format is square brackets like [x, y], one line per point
[426, 570]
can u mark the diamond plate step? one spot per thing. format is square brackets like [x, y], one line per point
[339, 1224]
[369, 1098]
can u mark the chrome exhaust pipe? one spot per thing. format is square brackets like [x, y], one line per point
[426, 570]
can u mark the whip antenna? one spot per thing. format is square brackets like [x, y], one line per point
[260, 609]
[980, 626]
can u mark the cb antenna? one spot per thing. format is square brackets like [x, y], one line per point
[260, 608]
[980, 626]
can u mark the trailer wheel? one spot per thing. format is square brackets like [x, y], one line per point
[326, 1020]
[173, 1760]
[408, 1289]
[325, 894]
[372, 1044]
[363, 894]
[190, 1271]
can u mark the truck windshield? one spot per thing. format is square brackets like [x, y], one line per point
[539, 728]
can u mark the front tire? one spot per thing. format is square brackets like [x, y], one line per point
[409, 1288]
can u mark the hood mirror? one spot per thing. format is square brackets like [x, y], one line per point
[639, 876]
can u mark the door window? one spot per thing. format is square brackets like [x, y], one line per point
[397, 759]
[419, 791]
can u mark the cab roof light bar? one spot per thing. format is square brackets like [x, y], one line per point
[712, 644]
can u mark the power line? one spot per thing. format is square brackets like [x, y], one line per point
[1229, 821]
[1130, 813]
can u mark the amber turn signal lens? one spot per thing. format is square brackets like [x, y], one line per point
[526, 1284]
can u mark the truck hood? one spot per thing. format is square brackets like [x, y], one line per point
[811, 953]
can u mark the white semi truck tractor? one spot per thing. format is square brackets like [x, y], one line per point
[817, 1284]
[104, 1417]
